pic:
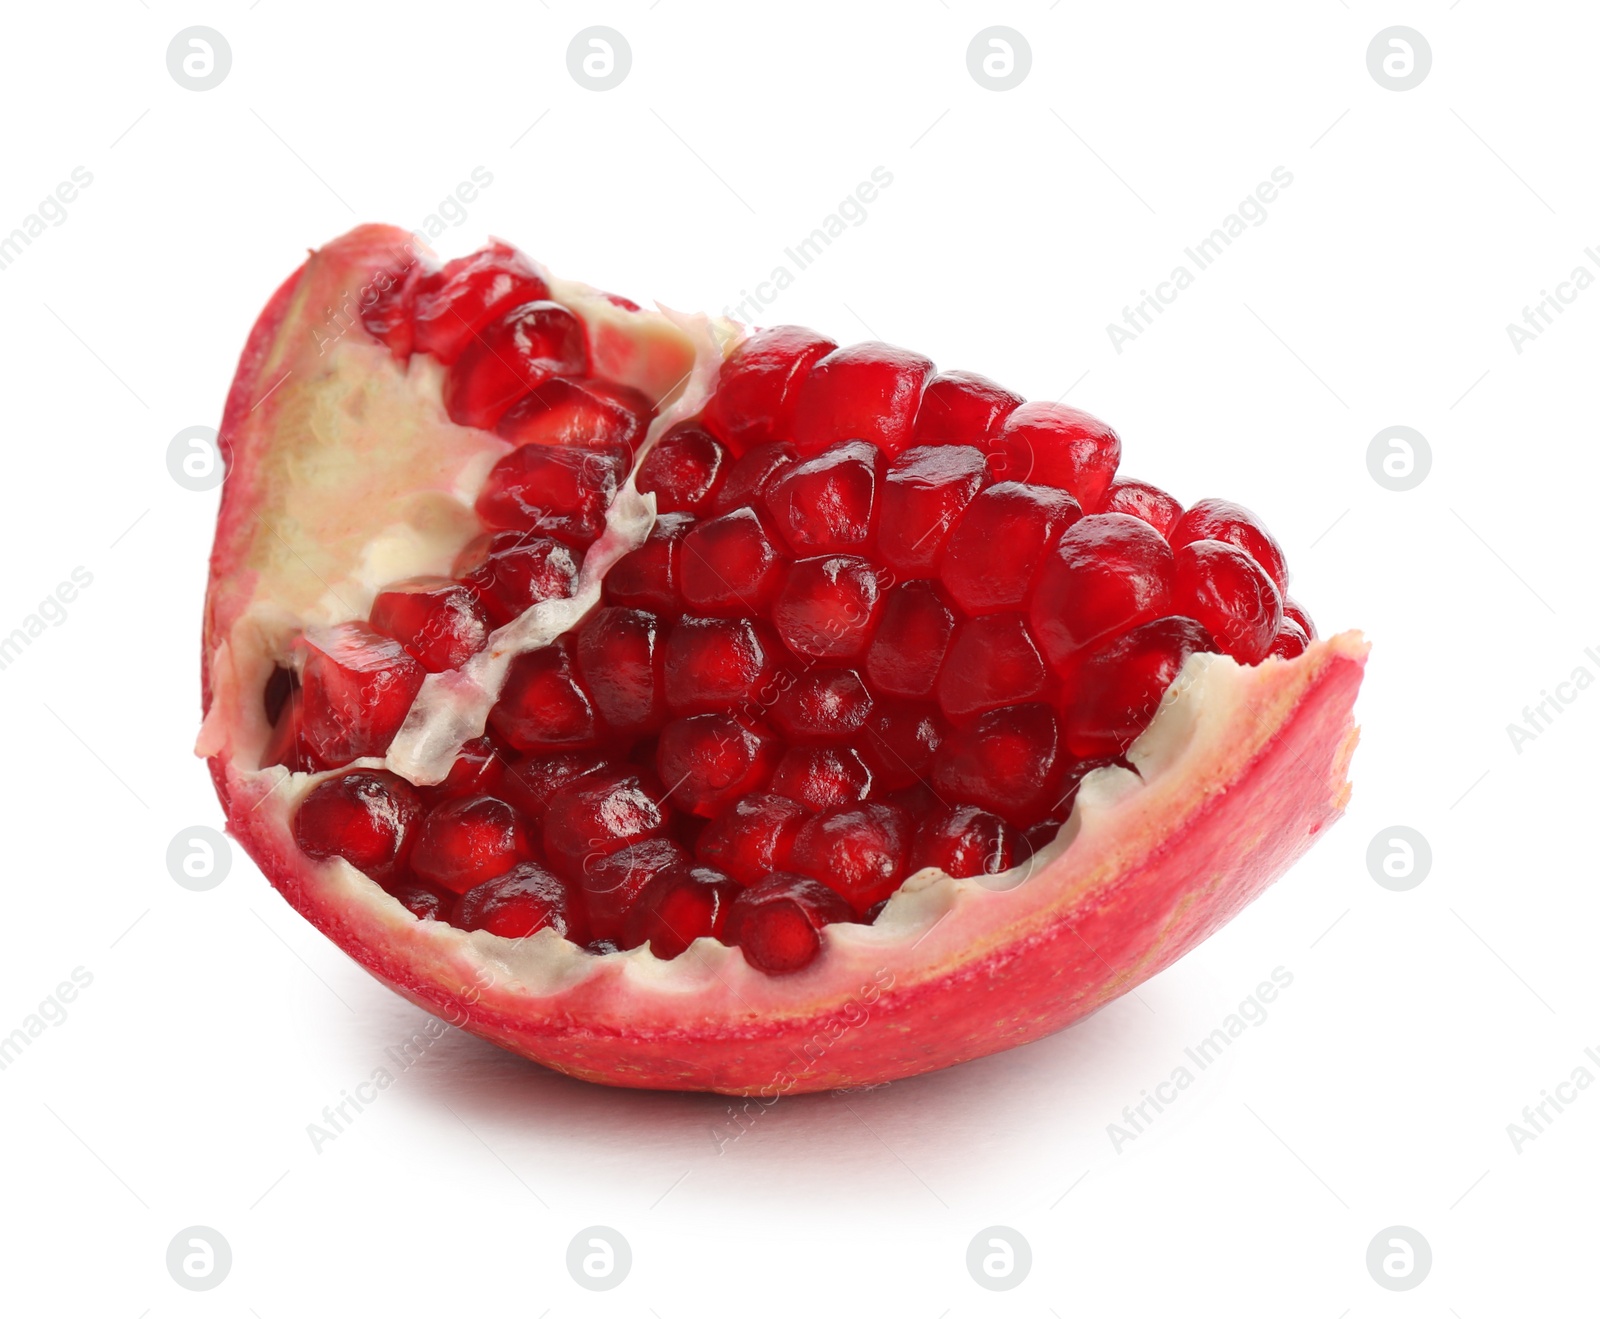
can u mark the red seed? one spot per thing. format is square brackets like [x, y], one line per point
[477, 771]
[454, 303]
[962, 407]
[964, 841]
[909, 645]
[425, 901]
[599, 814]
[753, 836]
[441, 623]
[1293, 612]
[750, 476]
[620, 661]
[562, 493]
[730, 565]
[756, 386]
[1007, 761]
[677, 909]
[1144, 501]
[594, 414]
[993, 661]
[822, 705]
[858, 851]
[514, 570]
[828, 605]
[613, 884]
[357, 687]
[1054, 445]
[776, 922]
[719, 664]
[1116, 686]
[710, 760]
[530, 784]
[366, 816]
[820, 777]
[1224, 590]
[925, 492]
[647, 578]
[543, 706]
[512, 356]
[1000, 543]
[827, 502]
[684, 469]
[1109, 572]
[869, 391]
[1233, 524]
[388, 315]
[1290, 641]
[521, 902]
[462, 843]
[899, 743]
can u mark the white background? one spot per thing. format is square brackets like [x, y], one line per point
[179, 1087]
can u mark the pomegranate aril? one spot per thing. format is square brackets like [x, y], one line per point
[390, 315]
[1294, 613]
[1007, 761]
[595, 414]
[542, 705]
[899, 743]
[1290, 641]
[453, 304]
[925, 492]
[730, 564]
[820, 777]
[709, 760]
[1108, 572]
[366, 816]
[992, 662]
[514, 570]
[676, 909]
[965, 840]
[424, 901]
[1233, 524]
[822, 705]
[684, 469]
[477, 771]
[1144, 501]
[756, 385]
[556, 492]
[775, 923]
[462, 843]
[1000, 542]
[1054, 445]
[620, 661]
[858, 851]
[613, 884]
[753, 837]
[719, 663]
[1115, 688]
[912, 637]
[356, 689]
[869, 391]
[513, 356]
[287, 745]
[962, 407]
[749, 477]
[827, 502]
[530, 784]
[521, 902]
[828, 605]
[647, 578]
[600, 814]
[441, 623]
[1230, 595]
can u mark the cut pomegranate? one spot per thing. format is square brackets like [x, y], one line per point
[740, 634]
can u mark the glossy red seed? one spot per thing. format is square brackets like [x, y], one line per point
[477, 771]
[821, 776]
[462, 843]
[899, 743]
[441, 623]
[710, 760]
[543, 706]
[964, 841]
[647, 578]
[513, 356]
[514, 570]
[858, 851]
[756, 386]
[828, 605]
[1116, 687]
[425, 901]
[530, 784]
[1054, 445]
[730, 565]
[613, 883]
[1000, 543]
[388, 311]
[925, 492]
[620, 661]
[1144, 501]
[992, 661]
[521, 902]
[684, 470]
[598, 814]
[1294, 612]
[753, 836]
[356, 689]
[563, 493]
[962, 407]
[910, 642]
[677, 909]
[1230, 595]
[749, 477]
[366, 816]
[827, 502]
[453, 304]
[869, 391]
[287, 745]
[775, 923]
[1290, 641]
[719, 664]
[821, 705]
[1233, 524]
[1108, 572]
[595, 414]
[1007, 761]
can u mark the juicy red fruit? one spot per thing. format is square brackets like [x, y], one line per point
[512, 356]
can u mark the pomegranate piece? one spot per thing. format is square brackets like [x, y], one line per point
[1236, 525]
[925, 492]
[962, 407]
[964, 841]
[820, 777]
[858, 851]
[647, 578]
[514, 570]
[869, 391]
[753, 837]
[453, 304]
[822, 705]
[909, 645]
[685, 469]
[828, 606]
[462, 843]
[366, 816]
[356, 689]
[827, 502]
[899, 743]
[543, 706]
[620, 661]
[389, 317]
[710, 760]
[775, 923]
[678, 908]
[614, 883]
[999, 544]
[1144, 501]
[523, 901]
[993, 661]
[749, 477]
[1007, 761]
[562, 493]
[441, 623]
[1054, 445]
[1109, 572]
[598, 814]
[512, 356]
[1230, 595]
[730, 564]
[1115, 687]
[756, 385]
[718, 664]
[594, 414]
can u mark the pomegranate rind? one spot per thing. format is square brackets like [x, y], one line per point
[1241, 769]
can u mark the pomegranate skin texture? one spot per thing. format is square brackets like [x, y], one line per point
[1241, 767]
